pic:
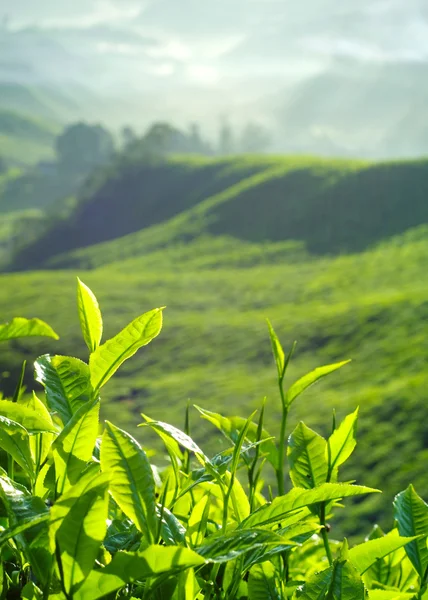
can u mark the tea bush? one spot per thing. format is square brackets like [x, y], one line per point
[85, 513]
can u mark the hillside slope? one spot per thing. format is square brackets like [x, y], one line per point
[330, 206]
[371, 307]
[328, 251]
[25, 140]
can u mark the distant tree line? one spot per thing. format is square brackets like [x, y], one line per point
[83, 147]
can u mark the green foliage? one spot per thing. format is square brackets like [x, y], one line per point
[86, 518]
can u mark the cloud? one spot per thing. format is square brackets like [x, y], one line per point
[76, 14]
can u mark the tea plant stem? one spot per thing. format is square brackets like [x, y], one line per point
[10, 467]
[281, 453]
[324, 534]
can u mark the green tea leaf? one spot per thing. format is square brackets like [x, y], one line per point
[74, 446]
[127, 568]
[25, 416]
[12, 532]
[80, 535]
[88, 481]
[342, 442]
[20, 327]
[306, 455]
[365, 555]
[89, 315]
[278, 351]
[261, 583]
[196, 525]
[23, 508]
[298, 498]
[106, 359]
[231, 427]
[341, 581]
[222, 548]
[390, 595]
[66, 381]
[14, 440]
[132, 485]
[307, 380]
[179, 436]
[411, 513]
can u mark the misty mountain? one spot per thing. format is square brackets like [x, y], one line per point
[325, 76]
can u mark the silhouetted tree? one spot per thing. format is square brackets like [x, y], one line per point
[128, 136]
[254, 138]
[82, 147]
[226, 143]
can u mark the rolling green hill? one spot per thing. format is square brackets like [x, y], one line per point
[334, 253]
[330, 206]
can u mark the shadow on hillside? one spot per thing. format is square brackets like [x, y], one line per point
[333, 207]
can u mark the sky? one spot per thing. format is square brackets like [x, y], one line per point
[205, 41]
[199, 58]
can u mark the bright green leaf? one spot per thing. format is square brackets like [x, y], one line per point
[80, 535]
[66, 381]
[342, 442]
[365, 555]
[14, 440]
[306, 456]
[299, 498]
[106, 359]
[341, 581]
[222, 548]
[20, 327]
[74, 446]
[411, 513]
[25, 416]
[307, 380]
[261, 583]
[89, 315]
[231, 427]
[127, 568]
[132, 485]
[176, 434]
[23, 508]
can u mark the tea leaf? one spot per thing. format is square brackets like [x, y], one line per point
[261, 583]
[23, 508]
[80, 535]
[132, 485]
[299, 498]
[411, 513]
[73, 448]
[222, 548]
[14, 440]
[306, 381]
[108, 357]
[342, 442]
[20, 327]
[89, 315]
[66, 381]
[365, 555]
[126, 568]
[25, 416]
[306, 456]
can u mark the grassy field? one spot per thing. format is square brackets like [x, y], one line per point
[220, 281]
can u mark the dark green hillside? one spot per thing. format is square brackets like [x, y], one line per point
[331, 207]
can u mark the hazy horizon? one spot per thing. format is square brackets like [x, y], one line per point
[280, 63]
